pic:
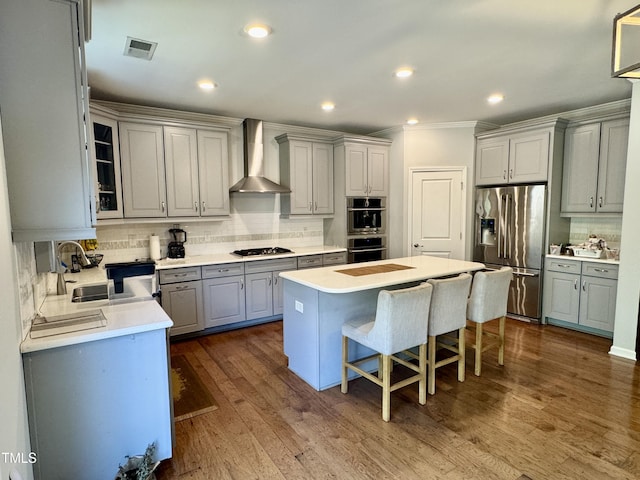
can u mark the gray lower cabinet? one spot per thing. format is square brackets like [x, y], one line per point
[224, 294]
[182, 298]
[264, 289]
[581, 294]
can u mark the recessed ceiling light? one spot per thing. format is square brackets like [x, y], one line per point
[328, 106]
[404, 72]
[257, 30]
[412, 121]
[495, 98]
[206, 85]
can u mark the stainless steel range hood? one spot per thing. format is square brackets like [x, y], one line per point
[254, 180]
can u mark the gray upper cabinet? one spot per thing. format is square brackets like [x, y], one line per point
[105, 155]
[143, 172]
[513, 158]
[306, 167]
[43, 97]
[196, 172]
[367, 170]
[595, 161]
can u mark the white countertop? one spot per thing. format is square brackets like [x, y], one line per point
[584, 259]
[330, 280]
[200, 260]
[134, 311]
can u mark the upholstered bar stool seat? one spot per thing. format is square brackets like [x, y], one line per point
[400, 323]
[487, 302]
[448, 319]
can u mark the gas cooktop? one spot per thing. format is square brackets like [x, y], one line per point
[261, 251]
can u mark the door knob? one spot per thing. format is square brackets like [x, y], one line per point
[417, 245]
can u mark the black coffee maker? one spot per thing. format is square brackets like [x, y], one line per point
[175, 249]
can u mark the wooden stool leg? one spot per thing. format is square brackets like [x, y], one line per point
[501, 348]
[478, 348]
[386, 387]
[461, 347]
[345, 358]
[431, 363]
[422, 384]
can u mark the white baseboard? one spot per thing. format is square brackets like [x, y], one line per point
[623, 352]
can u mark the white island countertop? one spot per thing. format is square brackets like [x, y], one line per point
[332, 280]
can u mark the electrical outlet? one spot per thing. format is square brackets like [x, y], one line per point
[299, 307]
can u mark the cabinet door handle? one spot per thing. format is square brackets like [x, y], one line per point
[204, 206]
[315, 206]
[241, 284]
[601, 270]
[590, 202]
[511, 173]
[600, 202]
[270, 278]
[179, 274]
[182, 287]
[221, 270]
[564, 265]
[195, 206]
[370, 188]
[162, 205]
[584, 284]
[275, 280]
[366, 189]
[504, 174]
[575, 284]
[310, 207]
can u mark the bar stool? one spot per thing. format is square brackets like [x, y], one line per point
[448, 319]
[400, 323]
[488, 301]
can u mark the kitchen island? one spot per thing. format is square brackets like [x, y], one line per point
[318, 301]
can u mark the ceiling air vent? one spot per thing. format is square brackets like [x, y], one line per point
[138, 48]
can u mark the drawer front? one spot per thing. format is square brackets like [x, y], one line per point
[602, 270]
[309, 261]
[271, 265]
[175, 275]
[338, 258]
[223, 270]
[562, 265]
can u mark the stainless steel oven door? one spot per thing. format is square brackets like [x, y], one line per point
[366, 249]
[366, 215]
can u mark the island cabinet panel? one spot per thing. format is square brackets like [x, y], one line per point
[93, 404]
[312, 332]
[143, 171]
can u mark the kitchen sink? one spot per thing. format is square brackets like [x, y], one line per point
[56, 325]
[88, 293]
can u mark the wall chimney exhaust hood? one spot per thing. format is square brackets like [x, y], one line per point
[254, 180]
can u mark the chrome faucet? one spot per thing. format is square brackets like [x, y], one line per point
[62, 284]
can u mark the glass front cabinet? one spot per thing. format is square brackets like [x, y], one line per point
[106, 164]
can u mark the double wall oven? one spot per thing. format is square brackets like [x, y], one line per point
[366, 229]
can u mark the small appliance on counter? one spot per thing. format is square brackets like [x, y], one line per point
[175, 249]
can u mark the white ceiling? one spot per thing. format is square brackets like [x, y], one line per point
[545, 56]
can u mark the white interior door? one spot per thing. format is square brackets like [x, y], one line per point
[437, 213]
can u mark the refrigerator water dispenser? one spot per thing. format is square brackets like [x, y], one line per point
[487, 231]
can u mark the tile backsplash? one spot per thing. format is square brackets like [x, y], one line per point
[131, 241]
[608, 228]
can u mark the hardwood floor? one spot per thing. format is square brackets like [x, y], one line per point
[560, 408]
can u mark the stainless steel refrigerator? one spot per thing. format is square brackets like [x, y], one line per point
[510, 231]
